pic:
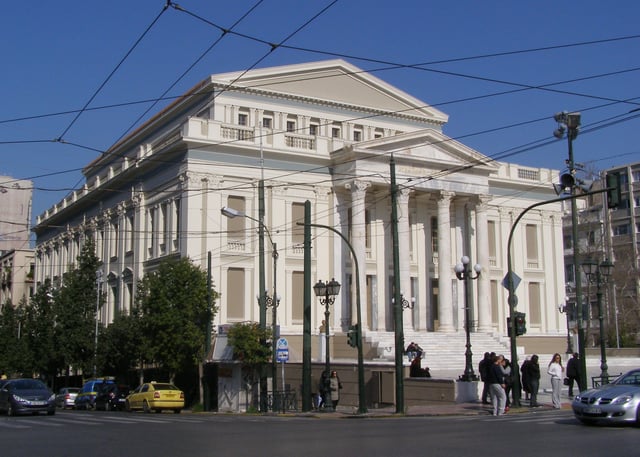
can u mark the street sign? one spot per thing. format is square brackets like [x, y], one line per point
[515, 278]
[282, 350]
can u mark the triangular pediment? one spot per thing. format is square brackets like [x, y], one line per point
[334, 81]
[429, 147]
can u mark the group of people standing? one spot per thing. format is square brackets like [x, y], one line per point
[496, 374]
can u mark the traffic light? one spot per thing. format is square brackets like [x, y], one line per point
[521, 324]
[352, 336]
[614, 192]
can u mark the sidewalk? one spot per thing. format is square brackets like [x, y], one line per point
[616, 366]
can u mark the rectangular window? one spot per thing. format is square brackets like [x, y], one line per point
[313, 129]
[335, 132]
[267, 122]
[297, 298]
[130, 232]
[535, 317]
[495, 297]
[291, 126]
[357, 135]
[297, 231]
[567, 241]
[243, 119]
[493, 251]
[434, 236]
[532, 245]
[367, 229]
[235, 294]
[620, 230]
[236, 225]
[115, 229]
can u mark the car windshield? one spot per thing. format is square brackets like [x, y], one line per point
[632, 378]
[165, 387]
[27, 384]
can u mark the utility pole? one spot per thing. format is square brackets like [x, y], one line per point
[397, 300]
[306, 326]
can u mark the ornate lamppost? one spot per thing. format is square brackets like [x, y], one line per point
[327, 292]
[464, 273]
[599, 273]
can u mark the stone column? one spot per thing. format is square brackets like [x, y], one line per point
[445, 302]
[482, 248]
[358, 242]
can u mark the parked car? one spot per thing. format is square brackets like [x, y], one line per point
[26, 396]
[111, 397]
[156, 396]
[618, 401]
[86, 398]
[66, 397]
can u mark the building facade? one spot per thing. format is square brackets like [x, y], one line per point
[322, 132]
[15, 204]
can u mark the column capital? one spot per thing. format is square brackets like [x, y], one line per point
[358, 187]
[482, 202]
[445, 197]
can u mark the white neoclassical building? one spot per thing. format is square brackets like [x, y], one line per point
[323, 132]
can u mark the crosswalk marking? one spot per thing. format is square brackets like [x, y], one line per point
[66, 419]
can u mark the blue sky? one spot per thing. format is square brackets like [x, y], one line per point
[57, 55]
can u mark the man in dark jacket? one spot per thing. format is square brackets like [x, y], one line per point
[483, 367]
[573, 373]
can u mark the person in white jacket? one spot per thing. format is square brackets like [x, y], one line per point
[556, 370]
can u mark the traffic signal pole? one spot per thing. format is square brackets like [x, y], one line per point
[513, 299]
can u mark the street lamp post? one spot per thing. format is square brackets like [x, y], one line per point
[327, 293]
[464, 273]
[263, 297]
[599, 273]
[565, 308]
[570, 123]
[95, 336]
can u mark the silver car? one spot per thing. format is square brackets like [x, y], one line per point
[66, 397]
[617, 402]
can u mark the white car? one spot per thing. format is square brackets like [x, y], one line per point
[617, 402]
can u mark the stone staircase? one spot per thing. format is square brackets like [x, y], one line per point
[442, 351]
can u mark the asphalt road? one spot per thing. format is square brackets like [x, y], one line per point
[116, 434]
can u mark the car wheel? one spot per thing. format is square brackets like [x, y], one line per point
[127, 406]
[51, 413]
[145, 407]
[177, 411]
[637, 424]
[107, 406]
[10, 410]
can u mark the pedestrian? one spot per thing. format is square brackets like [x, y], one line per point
[524, 378]
[573, 373]
[334, 386]
[495, 380]
[323, 390]
[483, 367]
[556, 371]
[508, 381]
[532, 370]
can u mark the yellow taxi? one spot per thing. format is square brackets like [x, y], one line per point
[155, 396]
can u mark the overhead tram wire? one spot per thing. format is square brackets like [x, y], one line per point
[508, 153]
[97, 91]
[189, 68]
